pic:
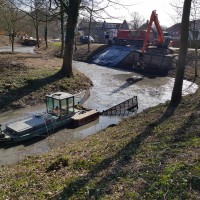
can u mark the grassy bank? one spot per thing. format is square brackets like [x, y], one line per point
[153, 155]
[25, 79]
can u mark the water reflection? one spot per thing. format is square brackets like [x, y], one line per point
[111, 87]
[11, 154]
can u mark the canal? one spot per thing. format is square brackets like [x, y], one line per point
[110, 87]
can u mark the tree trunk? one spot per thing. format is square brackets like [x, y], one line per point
[46, 32]
[37, 34]
[89, 28]
[177, 90]
[89, 32]
[75, 44]
[72, 18]
[62, 30]
[46, 28]
[68, 57]
[196, 57]
[12, 41]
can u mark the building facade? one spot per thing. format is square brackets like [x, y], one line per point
[99, 29]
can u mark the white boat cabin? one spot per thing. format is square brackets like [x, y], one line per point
[60, 104]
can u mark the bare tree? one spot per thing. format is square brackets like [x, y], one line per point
[72, 10]
[39, 12]
[178, 10]
[91, 10]
[46, 24]
[194, 24]
[62, 19]
[36, 16]
[10, 19]
[194, 28]
[177, 90]
[136, 21]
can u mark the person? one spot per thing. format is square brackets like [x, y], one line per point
[56, 110]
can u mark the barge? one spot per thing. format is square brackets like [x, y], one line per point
[61, 109]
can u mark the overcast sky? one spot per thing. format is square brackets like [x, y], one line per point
[144, 8]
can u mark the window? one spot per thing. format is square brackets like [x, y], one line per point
[71, 105]
[49, 104]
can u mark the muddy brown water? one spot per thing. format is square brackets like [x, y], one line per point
[110, 88]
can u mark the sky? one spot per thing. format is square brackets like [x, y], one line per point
[145, 8]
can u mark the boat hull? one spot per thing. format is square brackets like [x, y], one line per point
[44, 129]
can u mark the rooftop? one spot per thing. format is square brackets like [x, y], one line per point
[60, 95]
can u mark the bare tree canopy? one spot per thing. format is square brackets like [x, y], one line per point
[38, 10]
[178, 10]
[194, 24]
[101, 8]
[136, 20]
[72, 9]
[10, 18]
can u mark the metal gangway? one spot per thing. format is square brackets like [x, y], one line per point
[124, 108]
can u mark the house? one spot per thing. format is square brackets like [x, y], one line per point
[194, 33]
[153, 33]
[99, 29]
[175, 31]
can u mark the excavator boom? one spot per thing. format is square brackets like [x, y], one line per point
[158, 58]
[153, 18]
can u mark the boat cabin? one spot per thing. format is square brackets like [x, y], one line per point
[60, 104]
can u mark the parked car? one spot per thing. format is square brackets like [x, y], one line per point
[85, 40]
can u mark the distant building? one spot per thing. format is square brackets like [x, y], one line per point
[153, 34]
[194, 33]
[175, 31]
[99, 29]
[144, 26]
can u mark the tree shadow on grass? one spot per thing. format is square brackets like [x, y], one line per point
[15, 94]
[120, 159]
[172, 156]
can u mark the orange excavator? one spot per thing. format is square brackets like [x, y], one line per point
[162, 42]
[158, 57]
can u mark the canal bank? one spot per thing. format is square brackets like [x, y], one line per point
[110, 87]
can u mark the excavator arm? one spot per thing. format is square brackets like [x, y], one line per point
[153, 18]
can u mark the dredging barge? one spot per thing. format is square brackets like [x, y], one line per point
[61, 109]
